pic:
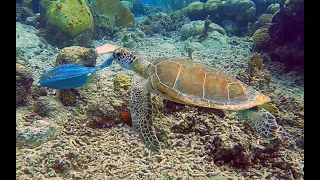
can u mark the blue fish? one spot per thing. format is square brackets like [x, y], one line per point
[69, 76]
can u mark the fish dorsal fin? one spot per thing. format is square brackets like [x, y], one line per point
[106, 48]
[271, 108]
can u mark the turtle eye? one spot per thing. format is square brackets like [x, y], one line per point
[118, 54]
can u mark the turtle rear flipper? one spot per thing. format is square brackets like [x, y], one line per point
[262, 121]
[141, 113]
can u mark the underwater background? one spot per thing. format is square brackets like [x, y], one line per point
[86, 132]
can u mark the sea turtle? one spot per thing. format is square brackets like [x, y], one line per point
[192, 83]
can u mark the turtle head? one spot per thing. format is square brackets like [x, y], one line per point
[124, 57]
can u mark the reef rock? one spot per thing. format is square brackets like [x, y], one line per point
[23, 84]
[39, 123]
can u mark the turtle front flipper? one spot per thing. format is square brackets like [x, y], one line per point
[262, 121]
[141, 113]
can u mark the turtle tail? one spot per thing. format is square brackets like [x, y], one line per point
[141, 114]
[262, 121]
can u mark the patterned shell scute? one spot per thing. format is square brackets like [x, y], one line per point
[189, 82]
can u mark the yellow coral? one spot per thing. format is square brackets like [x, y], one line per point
[121, 81]
[72, 16]
[67, 97]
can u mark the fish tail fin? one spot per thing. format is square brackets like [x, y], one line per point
[106, 63]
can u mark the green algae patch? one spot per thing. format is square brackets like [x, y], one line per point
[71, 16]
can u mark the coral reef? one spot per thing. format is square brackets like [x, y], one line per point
[293, 8]
[27, 3]
[74, 55]
[212, 6]
[255, 74]
[196, 10]
[67, 97]
[21, 60]
[261, 38]
[109, 15]
[38, 91]
[283, 39]
[127, 4]
[22, 12]
[163, 23]
[71, 16]
[46, 106]
[70, 22]
[238, 156]
[37, 133]
[197, 27]
[24, 81]
[207, 23]
[176, 4]
[272, 8]
[291, 110]
[121, 81]
[128, 38]
[240, 10]
[215, 8]
[27, 42]
[264, 19]
[40, 122]
[77, 55]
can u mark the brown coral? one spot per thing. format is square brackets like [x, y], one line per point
[255, 75]
[265, 19]
[77, 55]
[23, 84]
[261, 38]
[67, 97]
[292, 110]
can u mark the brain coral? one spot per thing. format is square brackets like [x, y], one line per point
[196, 10]
[260, 38]
[265, 18]
[77, 55]
[241, 10]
